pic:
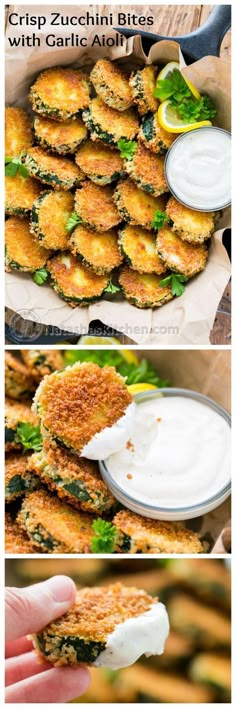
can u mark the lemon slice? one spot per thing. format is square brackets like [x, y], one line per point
[172, 123]
[171, 66]
[88, 339]
[192, 88]
[129, 356]
[138, 388]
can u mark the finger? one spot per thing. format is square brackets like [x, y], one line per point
[24, 666]
[18, 646]
[30, 609]
[58, 685]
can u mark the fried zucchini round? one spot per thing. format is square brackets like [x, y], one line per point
[111, 84]
[18, 479]
[142, 84]
[143, 290]
[180, 256]
[98, 251]
[16, 412]
[49, 216]
[16, 540]
[23, 252]
[152, 536]
[100, 163]
[59, 172]
[95, 207]
[135, 206]
[41, 362]
[147, 170]
[74, 282]
[18, 131]
[109, 125]
[138, 246]
[18, 380]
[20, 193]
[60, 93]
[190, 225]
[153, 136]
[62, 137]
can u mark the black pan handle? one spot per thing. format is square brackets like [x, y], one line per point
[204, 41]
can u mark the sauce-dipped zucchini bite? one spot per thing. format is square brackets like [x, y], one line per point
[60, 93]
[16, 412]
[180, 256]
[64, 137]
[95, 207]
[49, 216]
[109, 125]
[23, 252]
[143, 290]
[147, 170]
[138, 246]
[58, 172]
[189, 225]
[135, 206]
[99, 162]
[41, 362]
[20, 193]
[18, 479]
[153, 136]
[142, 83]
[98, 250]
[111, 84]
[152, 536]
[74, 282]
[18, 131]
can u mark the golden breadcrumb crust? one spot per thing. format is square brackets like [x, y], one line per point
[161, 140]
[213, 669]
[18, 131]
[98, 160]
[136, 206]
[111, 84]
[143, 83]
[190, 225]
[179, 255]
[95, 206]
[20, 193]
[203, 575]
[52, 361]
[62, 171]
[73, 281]
[52, 212]
[158, 686]
[17, 378]
[17, 412]
[147, 170]
[15, 465]
[192, 618]
[143, 290]
[139, 247]
[98, 251]
[152, 536]
[23, 252]
[64, 137]
[16, 539]
[60, 92]
[108, 120]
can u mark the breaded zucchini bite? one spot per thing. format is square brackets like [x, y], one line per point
[16, 413]
[143, 290]
[180, 256]
[108, 124]
[19, 383]
[60, 93]
[85, 633]
[100, 163]
[64, 137]
[135, 206]
[55, 527]
[193, 226]
[98, 251]
[59, 172]
[208, 627]
[95, 207]
[16, 540]
[18, 131]
[147, 170]
[41, 362]
[20, 193]
[142, 83]
[74, 282]
[22, 251]
[152, 536]
[111, 84]
[49, 216]
[214, 670]
[18, 479]
[153, 136]
[139, 248]
[80, 406]
[155, 686]
[205, 578]
[75, 479]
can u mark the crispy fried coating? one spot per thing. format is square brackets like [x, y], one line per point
[20, 193]
[80, 401]
[23, 252]
[19, 383]
[99, 162]
[54, 526]
[139, 248]
[64, 137]
[190, 225]
[214, 670]
[142, 83]
[111, 84]
[95, 206]
[153, 136]
[135, 206]
[205, 578]
[152, 536]
[60, 93]
[50, 213]
[109, 125]
[18, 479]
[59, 172]
[16, 413]
[147, 170]
[16, 539]
[143, 290]
[98, 250]
[74, 282]
[180, 256]
[18, 131]
[41, 362]
[155, 686]
[206, 625]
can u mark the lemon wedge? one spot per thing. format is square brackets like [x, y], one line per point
[192, 88]
[88, 339]
[138, 388]
[171, 66]
[171, 121]
[129, 356]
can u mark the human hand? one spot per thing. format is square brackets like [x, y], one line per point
[28, 610]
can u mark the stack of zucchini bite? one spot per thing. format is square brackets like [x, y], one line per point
[94, 154]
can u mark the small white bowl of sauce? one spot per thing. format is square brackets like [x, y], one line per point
[198, 169]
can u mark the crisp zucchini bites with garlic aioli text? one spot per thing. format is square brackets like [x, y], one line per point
[139, 248]
[153, 136]
[99, 162]
[111, 84]
[189, 225]
[59, 172]
[143, 290]
[60, 93]
[152, 536]
[108, 124]
[74, 282]
[23, 252]
[20, 193]
[98, 250]
[17, 413]
[95, 207]
[75, 479]
[63, 138]
[180, 256]
[147, 170]
[50, 214]
[135, 206]
[41, 362]
[18, 479]
[142, 83]
[18, 131]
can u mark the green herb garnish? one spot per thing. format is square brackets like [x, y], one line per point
[40, 276]
[111, 288]
[30, 436]
[176, 281]
[105, 537]
[160, 218]
[175, 86]
[190, 109]
[193, 111]
[73, 221]
[127, 148]
[14, 165]
[134, 372]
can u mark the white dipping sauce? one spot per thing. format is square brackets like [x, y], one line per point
[111, 439]
[179, 454]
[198, 168]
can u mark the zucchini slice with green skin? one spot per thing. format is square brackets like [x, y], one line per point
[180, 256]
[111, 84]
[18, 479]
[154, 536]
[19, 385]
[142, 84]
[23, 252]
[69, 649]
[108, 124]
[74, 282]
[60, 93]
[153, 136]
[143, 290]
[190, 225]
[62, 138]
[147, 170]
[139, 248]
[100, 163]
[41, 362]
[136, 206]
[98, 250]
[18, 131]
[49, 216]
[20, 193]
[95, 207]
[58, 172]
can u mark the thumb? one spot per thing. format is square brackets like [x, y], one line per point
[30, 609]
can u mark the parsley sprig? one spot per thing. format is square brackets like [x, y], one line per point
[30, 436]
[190, 109]
[176, 281]
[105, 538]
[127, 148]
[40, 276]
[173, 87]
[73, 221]
[111, 288]
[160, 218]
[14, 165]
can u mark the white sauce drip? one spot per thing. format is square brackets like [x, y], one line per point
[111, 440]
